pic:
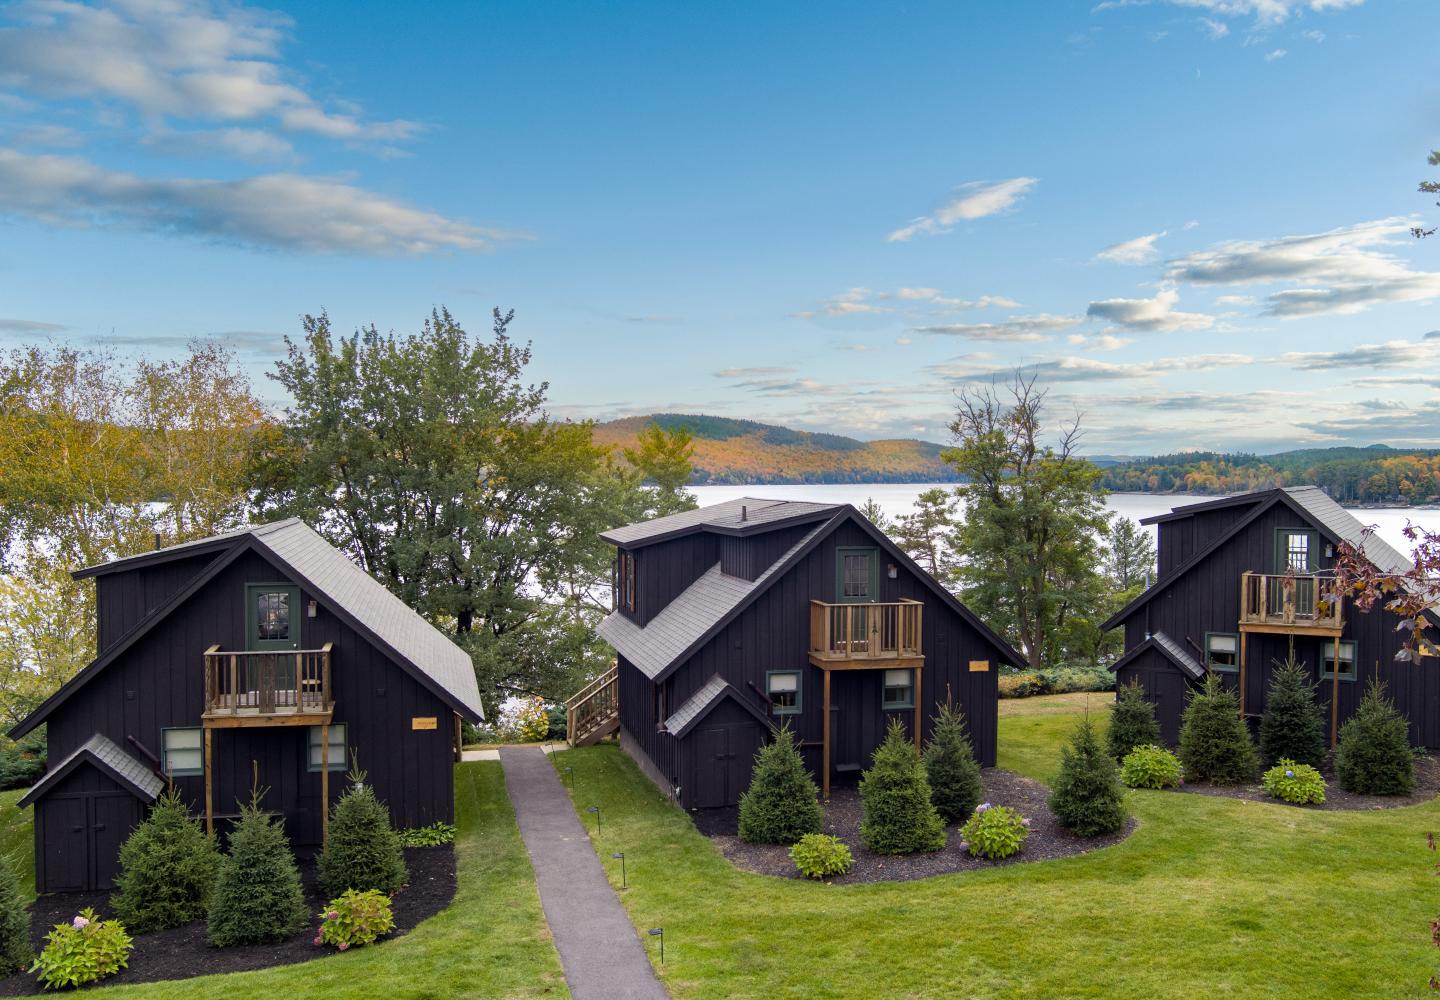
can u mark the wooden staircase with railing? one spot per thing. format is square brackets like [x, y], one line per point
[593, 713]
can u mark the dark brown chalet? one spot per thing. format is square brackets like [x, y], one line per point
[1242, 578]
[739, 617]
[262, 650]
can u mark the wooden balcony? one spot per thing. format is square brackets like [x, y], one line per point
[866, 635]
[1290, 604]
[249, 688]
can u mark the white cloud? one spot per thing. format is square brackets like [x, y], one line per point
[28, 326]
[1042, 326]
[1152, 315]
[274, 211]
[753, 372]
[1265, 13]
[1421, 354]
[1097, 342]
[171, 59]
[1234, 300]
[975, 200]
[1140, 250]
[1076, 369]
[1340, 271]
[48, 136]
[1313, 36]
[251, 144]
[1214, 29]
[1275, 54]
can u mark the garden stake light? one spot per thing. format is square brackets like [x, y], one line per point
[570, 776]
[660, 933]
[620, 856]
[596, 811]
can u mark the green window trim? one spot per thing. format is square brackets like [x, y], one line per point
[166, 750]
[252, 617]
[908, 700]
[799, 685]
[873, 586]
[1347, 657]
[337, 761]
[1221, 666]
[1282, 549]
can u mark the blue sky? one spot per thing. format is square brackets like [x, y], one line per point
[1189, 217]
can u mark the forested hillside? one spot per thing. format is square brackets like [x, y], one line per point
[1377, 474]
[745, 451]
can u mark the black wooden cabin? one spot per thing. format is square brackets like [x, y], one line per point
[1242, 579]
[746, 615]
[264, 651]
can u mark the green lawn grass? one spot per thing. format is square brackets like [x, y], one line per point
[17, 841]
[492, 942]
[1209, 897]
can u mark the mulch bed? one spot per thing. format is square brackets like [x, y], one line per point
[181, 952]
[842, 819]
[1427, 786]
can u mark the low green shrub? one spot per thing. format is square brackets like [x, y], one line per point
[819, 854]
[1132, 722]
[1028, 683]
[1086, 796]
[83, 951]
[433, 835]
[898, 817]
[15, 950]
[1374, 756]
[167, 869]
[951, 768]
[355, 918]
[994, 832]
[782, 803]
[1215, 746]
[362, 851]
[22, 761]
[1292, 782]
[557, 729]
[471, 734]
[1151, 767]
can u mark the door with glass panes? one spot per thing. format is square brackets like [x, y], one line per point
[857, 581]
[272, 629]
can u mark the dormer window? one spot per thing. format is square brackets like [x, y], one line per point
[1296, 551]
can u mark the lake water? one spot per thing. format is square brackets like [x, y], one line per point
[896, 499]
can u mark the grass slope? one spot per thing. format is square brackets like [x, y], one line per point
[491, 942]
[17, 840]
[1210, 896]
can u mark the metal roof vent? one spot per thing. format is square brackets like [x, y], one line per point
[744, 513]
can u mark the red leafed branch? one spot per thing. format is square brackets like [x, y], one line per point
[1410, 595]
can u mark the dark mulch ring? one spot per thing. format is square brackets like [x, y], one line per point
[842, 819]
[181, 952]
[1427, 786]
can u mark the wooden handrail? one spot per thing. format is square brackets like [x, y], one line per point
[592, 705]
[268, 682]
[881, 631]
[1306, 600]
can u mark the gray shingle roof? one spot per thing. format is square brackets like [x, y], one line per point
[105, 754]
[698, 705]
[1318, 504]
[1179, 655]
[724, 516]
[682, 622]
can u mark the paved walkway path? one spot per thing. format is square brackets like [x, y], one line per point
[602, 955]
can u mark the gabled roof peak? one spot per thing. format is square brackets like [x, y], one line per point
[743, 515]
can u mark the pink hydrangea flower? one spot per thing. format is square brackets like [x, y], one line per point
[317, 939]
[343, 945]
[333, 915]
[80, 923]
[964, 845]
[1025, 822]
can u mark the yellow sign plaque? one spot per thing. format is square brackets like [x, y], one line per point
[423, 722]
[979, 666]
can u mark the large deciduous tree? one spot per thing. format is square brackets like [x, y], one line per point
[432, 461]
[1033, 520]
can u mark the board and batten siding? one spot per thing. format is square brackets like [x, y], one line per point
[159, 683]
[124, 597]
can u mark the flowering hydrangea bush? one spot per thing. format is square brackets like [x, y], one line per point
[355, 918]
[523, 720]
[819, 854]
[1151, 767]
[82, 951]
[994, 832]
[1292, 782]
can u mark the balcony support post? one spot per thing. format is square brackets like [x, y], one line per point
[1243, 636]
[825, 740]
[324, 784]
[918, 704]
[209, 783]
[1335, 696]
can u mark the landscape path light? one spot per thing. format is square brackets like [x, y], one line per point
[660, 933]
[620, 856]
[596, 811]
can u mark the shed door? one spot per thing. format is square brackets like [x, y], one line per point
[112, 816]
[64, 835]
[723, 758]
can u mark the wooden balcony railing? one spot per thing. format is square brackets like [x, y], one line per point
[246, 687]
[858, 632]
[1288, 601]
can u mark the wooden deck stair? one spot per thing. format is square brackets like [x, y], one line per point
[593, 713]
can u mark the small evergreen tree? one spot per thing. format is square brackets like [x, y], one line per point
[950, 765]
[1374, 756]
[1292, 726]
[14, 923]
[257, 897]
[782, 803]
[1214, 743]
[167, 869]
[1087, 796]
[363, 851]
[899, 816]
[1132, 722]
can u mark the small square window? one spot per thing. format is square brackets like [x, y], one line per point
[183, 751]
[1347, 661]
[783, 687]
[1222, 651]
[899, 689]
[337, 748]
